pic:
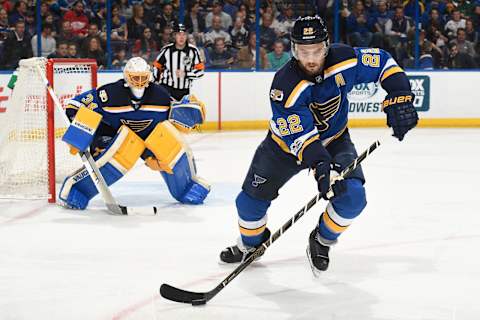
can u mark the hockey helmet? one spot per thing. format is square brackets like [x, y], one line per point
[137, 73]
[179, 27]
[309, 30]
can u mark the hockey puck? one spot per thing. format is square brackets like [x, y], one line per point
[199, 302]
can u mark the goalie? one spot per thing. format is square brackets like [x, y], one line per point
[129, 119]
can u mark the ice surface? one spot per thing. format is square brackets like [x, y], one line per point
[411, 255]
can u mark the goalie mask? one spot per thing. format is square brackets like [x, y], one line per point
[137, 75]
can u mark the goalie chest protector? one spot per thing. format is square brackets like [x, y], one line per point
[119, 107]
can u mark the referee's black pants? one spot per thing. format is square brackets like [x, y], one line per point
[177, 94]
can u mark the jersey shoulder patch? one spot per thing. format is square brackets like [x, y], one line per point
[113, 94]
[288, 84]
[340, 57]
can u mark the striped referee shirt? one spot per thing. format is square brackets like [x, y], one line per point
[172, 59]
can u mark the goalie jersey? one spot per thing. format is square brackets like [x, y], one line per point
[118, 107]
[306, 109]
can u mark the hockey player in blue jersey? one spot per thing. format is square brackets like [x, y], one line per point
[308, 129]
[129, 119]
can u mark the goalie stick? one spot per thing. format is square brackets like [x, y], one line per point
[92, 168]
[200, 298]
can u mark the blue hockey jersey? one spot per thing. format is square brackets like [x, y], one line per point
[310, 110]
[118, 106]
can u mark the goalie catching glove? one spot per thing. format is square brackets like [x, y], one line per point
[401, 114]
[187, 113]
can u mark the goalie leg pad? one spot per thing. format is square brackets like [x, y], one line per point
[114, 162]
[167, 145]
[183, 183]
[175, 157]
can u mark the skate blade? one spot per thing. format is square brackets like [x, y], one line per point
[316, 273]
[223, 263]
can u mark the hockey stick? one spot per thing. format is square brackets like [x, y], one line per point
[200, 298]
[92, 168]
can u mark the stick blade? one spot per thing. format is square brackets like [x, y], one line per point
[139, 211]
[179, 295]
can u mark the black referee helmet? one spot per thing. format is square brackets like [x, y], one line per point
[179, 27]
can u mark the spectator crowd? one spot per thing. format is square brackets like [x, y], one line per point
[225, 30]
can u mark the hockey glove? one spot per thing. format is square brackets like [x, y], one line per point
[401, 114]
[326, 174]
[322, 175]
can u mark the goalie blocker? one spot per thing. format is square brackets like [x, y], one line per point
[80, 133]
[164, 150]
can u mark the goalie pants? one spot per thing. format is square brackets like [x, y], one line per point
[271, 168]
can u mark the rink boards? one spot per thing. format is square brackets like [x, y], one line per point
[240, 100]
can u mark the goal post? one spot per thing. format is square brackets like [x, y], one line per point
[33, 159]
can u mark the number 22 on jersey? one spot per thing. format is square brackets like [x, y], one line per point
[289, 126]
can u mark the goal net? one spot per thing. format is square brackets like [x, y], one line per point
[33, 157]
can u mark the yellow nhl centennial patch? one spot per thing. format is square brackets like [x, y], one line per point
[276, 95]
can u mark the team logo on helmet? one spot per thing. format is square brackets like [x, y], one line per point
[308, 31]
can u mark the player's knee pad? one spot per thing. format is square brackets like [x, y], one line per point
[252, 218]
[176, 159]
[343, 160]
[351, 203]
[342, 210]
[114, 162]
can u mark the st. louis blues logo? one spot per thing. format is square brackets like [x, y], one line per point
[137, 125]
[258, 180]
[322, 112]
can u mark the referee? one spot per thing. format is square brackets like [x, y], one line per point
[178, 64]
